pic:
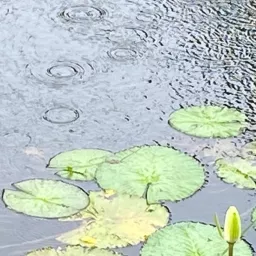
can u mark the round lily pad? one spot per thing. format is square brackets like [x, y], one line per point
[208, 121]
[115, 220]
[45, 198]
[237, 171]
[159, 173]
[79, 164]
[73, 251]
[188, 238]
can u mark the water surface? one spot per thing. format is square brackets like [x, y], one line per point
[107, 74]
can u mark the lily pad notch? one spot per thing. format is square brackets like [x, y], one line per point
[45, 198]
[208, 121]
[156, 172]
[78, 164]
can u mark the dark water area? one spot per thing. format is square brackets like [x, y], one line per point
[107, 74]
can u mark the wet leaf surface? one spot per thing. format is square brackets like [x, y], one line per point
[208, 121]
[237, 171]
[79, 164]
[160, 173]
[45, 198]
[115, 221]
[188, 238]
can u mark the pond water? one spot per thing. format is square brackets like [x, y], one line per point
[107, 74]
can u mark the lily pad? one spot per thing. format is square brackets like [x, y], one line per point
[237, 171]
[161, 173]
[72, 251]
[45, 198]
[249, 150]
[208, 121]
[115, 221]
[188, 238]
[79, 164]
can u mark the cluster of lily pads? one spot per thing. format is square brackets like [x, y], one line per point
[134, 184]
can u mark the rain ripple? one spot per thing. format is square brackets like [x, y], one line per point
[87, 20]
[82, 14]
[61, 115]
[123, 54]
[61, 72]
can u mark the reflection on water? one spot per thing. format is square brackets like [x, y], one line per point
[106, 74]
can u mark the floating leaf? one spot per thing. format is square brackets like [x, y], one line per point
[208, 121]
[115, 221]
[160, 172]
[249, 150]
[237, 171]
[188, 238]
[72, 251]
[79, 164]
[45, 198]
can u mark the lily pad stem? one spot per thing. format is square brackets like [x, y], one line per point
[230, 249]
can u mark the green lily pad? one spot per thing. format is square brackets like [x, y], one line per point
[72, 251]
[159, 172]
[115, 220]
[193, 239]
[237, 171]
[208, 121]
[79, 164]
[45, 198]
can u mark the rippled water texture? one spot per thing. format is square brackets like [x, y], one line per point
[106, 74]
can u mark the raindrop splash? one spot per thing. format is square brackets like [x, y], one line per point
[60, 72]
[61, 115]
[123, 54]
[82, 13]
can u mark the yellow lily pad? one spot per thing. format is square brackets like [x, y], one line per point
[115, 221]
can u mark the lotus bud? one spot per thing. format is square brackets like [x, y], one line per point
[232, 227]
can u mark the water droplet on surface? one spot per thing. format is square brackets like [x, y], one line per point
[61, 115]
